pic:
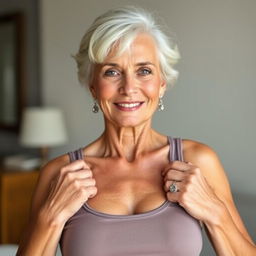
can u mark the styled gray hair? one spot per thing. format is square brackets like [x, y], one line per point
[122, 25]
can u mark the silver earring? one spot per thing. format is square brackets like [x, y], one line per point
[95, 108]
[160, 104]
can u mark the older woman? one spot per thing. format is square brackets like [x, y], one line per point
[133, 191]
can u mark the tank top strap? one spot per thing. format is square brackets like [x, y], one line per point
[175, 153]
[75, 155]
[176, 149]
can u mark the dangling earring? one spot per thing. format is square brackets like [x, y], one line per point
[160, 104]
[95, 108]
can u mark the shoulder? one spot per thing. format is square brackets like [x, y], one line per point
[50, 169]
[205, 158]
[195, 151]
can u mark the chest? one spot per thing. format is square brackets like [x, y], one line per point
[168, 230]
[127, 188]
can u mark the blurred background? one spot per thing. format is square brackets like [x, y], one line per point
[212, 102]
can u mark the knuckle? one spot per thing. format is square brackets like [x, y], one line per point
[183, 196]
[63, 170]
[69, 176]
[196, 170]
[76, 184]
[168, 175]
[191, 178]
[188, 188]
[89, 173]
[184, 199]
[169, 196]
[83, 192]
[167, 184]
[89, 182]
[94, 189]
[93, 181]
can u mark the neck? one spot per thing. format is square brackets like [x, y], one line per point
[129, 142]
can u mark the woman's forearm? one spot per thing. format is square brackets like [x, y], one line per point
[41, 238]
[225, 236]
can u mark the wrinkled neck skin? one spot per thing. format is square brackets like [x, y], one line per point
[129, 142]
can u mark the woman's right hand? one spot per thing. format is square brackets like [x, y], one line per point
[69, 190]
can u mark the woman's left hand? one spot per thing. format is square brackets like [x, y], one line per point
[194, 193]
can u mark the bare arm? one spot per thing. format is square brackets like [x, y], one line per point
[61, 191]
[226, 231]
[205, 193]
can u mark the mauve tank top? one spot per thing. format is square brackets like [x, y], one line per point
[165, 231]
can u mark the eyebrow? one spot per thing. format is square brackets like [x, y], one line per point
[137, 64]
[145, 63]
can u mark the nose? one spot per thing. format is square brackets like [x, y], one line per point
[128, 85]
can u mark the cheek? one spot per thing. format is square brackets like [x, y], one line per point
[104, 90]
[152, 89]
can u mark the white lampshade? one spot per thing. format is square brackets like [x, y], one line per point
[42, 127]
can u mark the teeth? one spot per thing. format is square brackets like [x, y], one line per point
[130, 105]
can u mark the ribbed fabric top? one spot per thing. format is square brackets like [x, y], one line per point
[166, 230]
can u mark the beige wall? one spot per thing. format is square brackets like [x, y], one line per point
[214, 99]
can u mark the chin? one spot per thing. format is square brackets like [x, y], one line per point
[129, 123]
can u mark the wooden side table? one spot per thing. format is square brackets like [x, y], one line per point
[16, 190]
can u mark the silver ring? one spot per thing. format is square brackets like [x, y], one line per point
[173, 188]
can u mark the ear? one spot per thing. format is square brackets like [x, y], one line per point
[162, 88]
[93, 92]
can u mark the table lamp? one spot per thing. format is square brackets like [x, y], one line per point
[43, 127]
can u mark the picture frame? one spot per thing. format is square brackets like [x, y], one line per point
[12, 70]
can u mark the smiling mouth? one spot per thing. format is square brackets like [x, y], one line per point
[128, 106]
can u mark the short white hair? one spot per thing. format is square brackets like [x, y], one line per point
[122, 25]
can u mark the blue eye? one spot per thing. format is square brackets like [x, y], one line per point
[145, 71]
[111, 72]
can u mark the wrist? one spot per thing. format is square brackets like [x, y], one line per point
[218, 215]
[42, 235]
[47, 218]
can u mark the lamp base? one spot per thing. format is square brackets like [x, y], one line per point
[44, 153]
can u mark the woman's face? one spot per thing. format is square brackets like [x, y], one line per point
[128, 87]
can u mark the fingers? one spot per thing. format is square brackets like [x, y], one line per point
[81, 174]
[177, 172]
[73, 185]
[177, 165]
[92, 191]
[88, 182]
[174, 175]
[78, 169]
[72, 172]
[81, 179]
[176, 197]
[87, 186]
[169, 183]
[173, 197]
[75, 166]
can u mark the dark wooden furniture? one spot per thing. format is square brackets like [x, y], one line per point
[16, 189]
